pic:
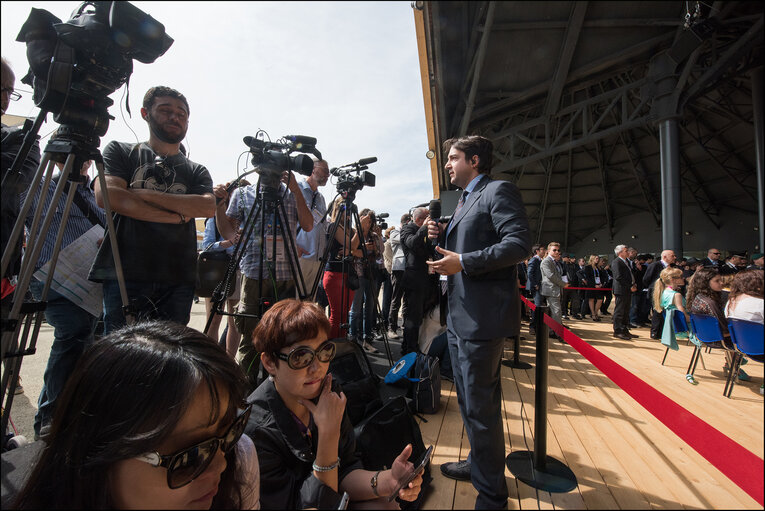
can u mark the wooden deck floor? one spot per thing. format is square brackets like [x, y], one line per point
[622, 456]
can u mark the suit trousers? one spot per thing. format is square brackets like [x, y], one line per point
[555, 310]
[657, 320]
[476, 370]
[622, 311]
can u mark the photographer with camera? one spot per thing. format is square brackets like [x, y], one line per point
[155, 192]
[278, 281]
[416, 278]
[363, 314]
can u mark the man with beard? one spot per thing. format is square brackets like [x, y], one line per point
[155, 193]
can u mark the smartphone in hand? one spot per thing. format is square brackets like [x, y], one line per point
[409, 477]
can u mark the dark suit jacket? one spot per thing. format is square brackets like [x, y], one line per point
[652, 274]
[534, 276]
[491, 231]
[414, 244]
[622, 275]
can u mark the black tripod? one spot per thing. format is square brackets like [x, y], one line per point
[268, 206]
[349, 206]
[73, 149]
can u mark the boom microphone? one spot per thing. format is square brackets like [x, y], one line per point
[367, 161]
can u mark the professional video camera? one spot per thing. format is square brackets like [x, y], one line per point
[75, 65]
[353, 177]
[273, 158]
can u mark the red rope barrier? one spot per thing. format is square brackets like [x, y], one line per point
[736, 462]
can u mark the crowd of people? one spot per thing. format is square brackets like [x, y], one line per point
[256, 420]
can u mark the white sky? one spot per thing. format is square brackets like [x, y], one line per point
[346, 73]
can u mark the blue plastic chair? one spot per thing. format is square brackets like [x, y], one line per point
[679, 325]
[707, 330]
[749, 339]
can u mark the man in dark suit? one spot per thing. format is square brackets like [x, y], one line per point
[623, 287]
[415, 279]
[485, 240]
[650, 277]
[534, 281]
[712, 258]
[735, 263]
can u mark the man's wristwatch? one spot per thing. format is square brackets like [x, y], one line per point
[183, 218]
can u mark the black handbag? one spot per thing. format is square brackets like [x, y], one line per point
[353, 279]
[211, 270]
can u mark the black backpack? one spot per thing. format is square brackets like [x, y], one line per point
[352, 370]
[381, 437]
[425, 390]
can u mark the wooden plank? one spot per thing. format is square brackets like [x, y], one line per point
[447, 448]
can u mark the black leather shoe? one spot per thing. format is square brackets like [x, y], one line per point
[459, 470]
[633, 325]
[622, 336]
[630, 334]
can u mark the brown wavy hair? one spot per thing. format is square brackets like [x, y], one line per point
[747, 282]
[699, 285]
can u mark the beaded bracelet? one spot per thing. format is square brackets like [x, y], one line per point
[319, 468]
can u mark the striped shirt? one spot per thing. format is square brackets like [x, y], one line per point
[76, 225]
[239, 209]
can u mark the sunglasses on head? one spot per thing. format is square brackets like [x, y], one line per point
[302, 356]
[188, 464]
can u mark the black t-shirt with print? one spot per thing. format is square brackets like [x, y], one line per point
[151, 251]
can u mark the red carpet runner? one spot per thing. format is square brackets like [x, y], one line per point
[737, 463]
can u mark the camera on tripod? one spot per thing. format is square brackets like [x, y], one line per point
[353, 177]
[75, 65]
[272, 158]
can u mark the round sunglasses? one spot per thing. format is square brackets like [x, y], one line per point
[302, 356]
[186, 465]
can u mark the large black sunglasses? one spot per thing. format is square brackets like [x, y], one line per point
[186, 465]
[302, 356]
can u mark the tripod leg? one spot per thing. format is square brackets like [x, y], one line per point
[291, 253]
[127, 310]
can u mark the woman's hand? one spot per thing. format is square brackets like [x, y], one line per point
[400, 469]
[328, 411]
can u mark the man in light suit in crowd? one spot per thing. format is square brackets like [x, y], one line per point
[487, 237]
[552, 282]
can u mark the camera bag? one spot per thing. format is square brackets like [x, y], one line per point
[211, 270]
[426, 384]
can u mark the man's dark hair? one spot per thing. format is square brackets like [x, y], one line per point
[473, 145]
[406, 218]
[160, 91]
[535, 248]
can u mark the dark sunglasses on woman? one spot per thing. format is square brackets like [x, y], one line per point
[186, 465]
[302, 356]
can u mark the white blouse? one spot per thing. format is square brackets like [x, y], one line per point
[746, 307]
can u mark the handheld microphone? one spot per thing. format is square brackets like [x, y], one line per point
[367, 161]
[434, 209]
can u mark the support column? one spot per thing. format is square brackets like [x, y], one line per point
[671, 192]
[758, 150]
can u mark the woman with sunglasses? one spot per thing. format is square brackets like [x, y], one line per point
[151, 418]
[306, 445]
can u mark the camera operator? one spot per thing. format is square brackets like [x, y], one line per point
[74, 323]
[155, 192]
[310, 244]
[363, 313]
[13, 186]
[278, 283]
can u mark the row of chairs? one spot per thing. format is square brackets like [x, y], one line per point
[747, 338]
